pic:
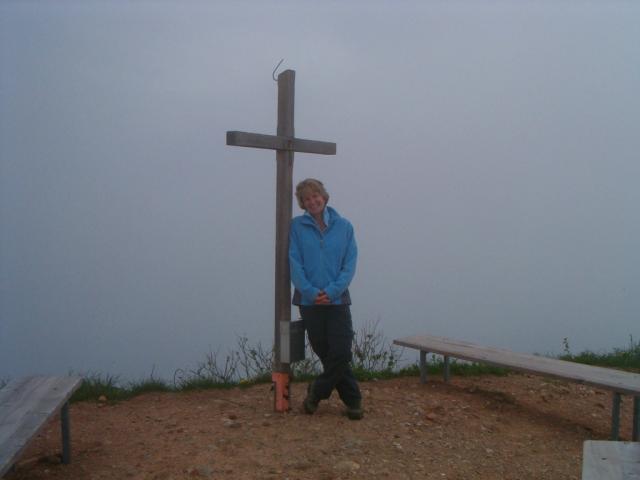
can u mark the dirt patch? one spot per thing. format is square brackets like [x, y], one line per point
[488, 427]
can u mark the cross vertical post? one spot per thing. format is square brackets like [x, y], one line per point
[285, 144]
[284, 192]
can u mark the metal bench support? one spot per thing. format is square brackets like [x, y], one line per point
[66, 434]
[446, 368]
[615, 416]
[423, 366]
[636, 419]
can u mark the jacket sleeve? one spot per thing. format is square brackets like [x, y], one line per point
[347, 270]
[296, 267]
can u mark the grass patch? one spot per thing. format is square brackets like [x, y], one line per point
[435, 366]
[203, 383]
[146, 386]
[95, 385]
[627, 358]
[374, 358]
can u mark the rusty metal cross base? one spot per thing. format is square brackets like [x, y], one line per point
[281, 391]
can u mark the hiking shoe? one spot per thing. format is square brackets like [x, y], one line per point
[355, 411]
[310, 403]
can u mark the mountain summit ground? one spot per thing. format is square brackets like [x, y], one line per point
[483, 427]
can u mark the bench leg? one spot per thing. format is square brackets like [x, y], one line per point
[446, 368]
[636, 419]
[423, 366]
[66, 437]
[615, 416]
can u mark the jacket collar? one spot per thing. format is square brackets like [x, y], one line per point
[328, 215]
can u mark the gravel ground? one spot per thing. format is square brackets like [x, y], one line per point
[487, 427]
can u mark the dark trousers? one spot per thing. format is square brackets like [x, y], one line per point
[330, 333]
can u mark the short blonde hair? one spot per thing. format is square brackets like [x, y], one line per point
[310, 185]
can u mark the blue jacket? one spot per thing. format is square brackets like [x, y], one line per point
[322, 260]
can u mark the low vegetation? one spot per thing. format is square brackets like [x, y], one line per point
[374, 357]
[624, 358]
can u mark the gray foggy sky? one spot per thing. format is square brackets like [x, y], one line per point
[487, 157]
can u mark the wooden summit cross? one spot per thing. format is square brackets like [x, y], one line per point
[285, 144]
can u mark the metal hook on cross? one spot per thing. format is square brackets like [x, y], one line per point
[273, 75]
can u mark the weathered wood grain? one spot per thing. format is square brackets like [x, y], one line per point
[610, 460]
[284, 193]
[607, 378]
[277, 142]
[25, 407]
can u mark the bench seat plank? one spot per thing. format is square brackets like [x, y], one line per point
[610, 379]
[610, 460]
[25, 407]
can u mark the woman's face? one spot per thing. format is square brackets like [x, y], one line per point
[313, 203]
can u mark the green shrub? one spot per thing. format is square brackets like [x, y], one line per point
[95, 385]
[374, 357]
[624, 358]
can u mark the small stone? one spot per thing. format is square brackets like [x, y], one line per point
[347, 466]
[353, 444]
[204, 471]
[102, 399]
[229, 423]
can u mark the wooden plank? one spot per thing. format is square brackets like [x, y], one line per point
[278, 142]
[615, 380]
[25, 407]
[257, 140]
[284, 209]
[21, 399]
[603, 460]
[302, 145]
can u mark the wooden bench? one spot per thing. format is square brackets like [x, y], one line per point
[25, 406]
[617, 381]
[610, 460]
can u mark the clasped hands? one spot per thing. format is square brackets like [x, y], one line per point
[322, 299]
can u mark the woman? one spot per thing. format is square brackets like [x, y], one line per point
[322, 257]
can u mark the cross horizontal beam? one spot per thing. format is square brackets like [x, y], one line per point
[276, 142]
